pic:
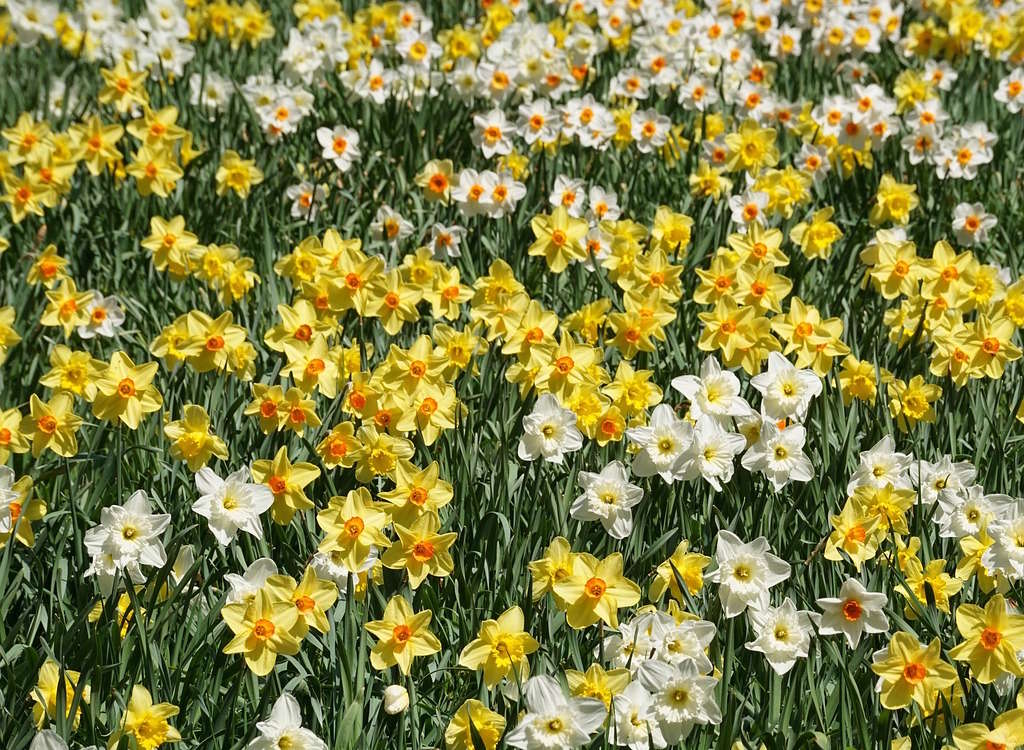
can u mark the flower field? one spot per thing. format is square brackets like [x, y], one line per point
[471, 375]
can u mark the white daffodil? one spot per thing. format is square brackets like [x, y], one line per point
[105, 317]
[390, 226]
[492, 133]
[881, 465]
[549, 431]
[967, 513]
[127, 537]
[782, 634]
[745, 572]
[243, 588]
[7, 496]
[231, 504]
[306, 199]
[787, 391]
[971, 224]
[330, 566]
[283, 729]
[340, 146]
[681, 698]
[1006, 555]
[183, 562]
[554, 721]
[569, 192]
[629, 646]
[779, 455]
[711, 455]
[445, 240]
[854, 612]
[686, 641]
[663, 441]
[47, 739]
[636, 725]
[713, 395]
[607, 497]
[944, 477]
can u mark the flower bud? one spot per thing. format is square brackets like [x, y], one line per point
[396, 699]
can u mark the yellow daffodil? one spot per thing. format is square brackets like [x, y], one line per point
[402, 635]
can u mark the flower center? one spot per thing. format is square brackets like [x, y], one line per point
[990, 639]
[852, 610]
[401, 634]
[263, 629]
[354, 527]
[423, 551]
[595, 588]
[914, 672]
[126, 388]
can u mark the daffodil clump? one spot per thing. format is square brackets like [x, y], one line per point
[513, 374]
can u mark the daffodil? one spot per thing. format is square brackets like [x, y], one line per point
[73, 371]
[53, 679]
[402, 635]
[353, 525]
[685, 566]
[339, 447]
[1007, 732]
[312, 597]
[500, 648]
[559, 238]
[910, 671]
[125, 392]
[52, 425]
[147, 722]
[66, 308]
[192, 440]
[992, 637]
[237, 174]
[893, 202]
[488, 725]
[596, 590]
[286, 480]
[262, 629]
[420, 550]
